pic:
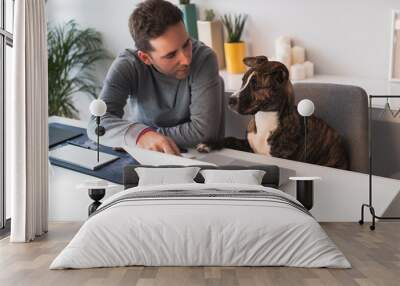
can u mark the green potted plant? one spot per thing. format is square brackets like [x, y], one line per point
[235, 49]
[210, 33]
[72, 54]
[189, 17]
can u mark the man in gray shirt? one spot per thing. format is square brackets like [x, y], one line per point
[170, 83]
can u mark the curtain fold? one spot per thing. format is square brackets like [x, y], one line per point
[28, 123]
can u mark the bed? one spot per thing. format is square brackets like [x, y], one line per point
[201, 224]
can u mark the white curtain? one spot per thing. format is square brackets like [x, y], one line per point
[28, 123]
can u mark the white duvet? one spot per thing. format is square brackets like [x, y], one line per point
[200, 231]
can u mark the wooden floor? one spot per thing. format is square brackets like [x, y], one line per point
[375, 257]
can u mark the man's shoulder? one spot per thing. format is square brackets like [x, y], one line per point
[201, 51]
[127, 63]
[128, 56]
[204, 59]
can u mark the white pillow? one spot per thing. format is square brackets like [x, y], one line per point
[248, 177]
[162, 176]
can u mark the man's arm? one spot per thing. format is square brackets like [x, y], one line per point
[118, 85]
[206, 108]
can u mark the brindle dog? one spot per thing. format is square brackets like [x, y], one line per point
[276, 128]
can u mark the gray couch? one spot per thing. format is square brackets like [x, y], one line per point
[343, 107]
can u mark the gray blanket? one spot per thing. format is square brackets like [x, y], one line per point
[205, 194]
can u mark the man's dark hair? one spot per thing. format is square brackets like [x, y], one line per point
[150, 20]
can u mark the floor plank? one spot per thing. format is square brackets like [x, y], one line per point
[374, 255]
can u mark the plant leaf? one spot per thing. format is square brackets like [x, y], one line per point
[72, 54]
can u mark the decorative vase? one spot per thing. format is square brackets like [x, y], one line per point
[234, 55]
[190, 19]
[211, 34]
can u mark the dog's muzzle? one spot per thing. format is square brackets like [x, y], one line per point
[237, 93]
[234, 98]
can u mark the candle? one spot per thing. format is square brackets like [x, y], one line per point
[283, 40]
[281, 44]
[285, 59]
[298, 55]
[283, 54]
[297, 72]
[397, 25]
[283, 49]
[309, 69]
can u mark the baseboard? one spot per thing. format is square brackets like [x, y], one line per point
[5, 231]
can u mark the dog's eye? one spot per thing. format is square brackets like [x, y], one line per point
[280, 77]
[255, 84]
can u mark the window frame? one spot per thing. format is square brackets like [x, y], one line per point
[6, 39]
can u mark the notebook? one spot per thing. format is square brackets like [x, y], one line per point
[82, 157]
[58, 135]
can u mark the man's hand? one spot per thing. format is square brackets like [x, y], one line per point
[155, 141]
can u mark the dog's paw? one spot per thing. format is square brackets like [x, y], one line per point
[203, 148]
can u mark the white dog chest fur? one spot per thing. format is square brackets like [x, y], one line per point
[266, 123]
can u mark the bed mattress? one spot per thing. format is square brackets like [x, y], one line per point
[201, 225]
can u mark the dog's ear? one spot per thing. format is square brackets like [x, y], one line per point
[255, 61]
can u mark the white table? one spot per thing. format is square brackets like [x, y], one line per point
[340, 193]
[339, 197]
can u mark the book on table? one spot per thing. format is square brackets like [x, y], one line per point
[81, 156]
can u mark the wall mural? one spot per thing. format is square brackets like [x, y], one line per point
[298, 137]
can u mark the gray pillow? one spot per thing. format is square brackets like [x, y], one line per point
[248, 177]
[162, 176]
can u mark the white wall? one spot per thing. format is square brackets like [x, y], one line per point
[342, 37]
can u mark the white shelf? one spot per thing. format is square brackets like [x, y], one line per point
[233, 82]
[304, 178]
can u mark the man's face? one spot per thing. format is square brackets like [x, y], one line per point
[172, 52]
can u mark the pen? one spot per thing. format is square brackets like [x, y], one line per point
[77, 144]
